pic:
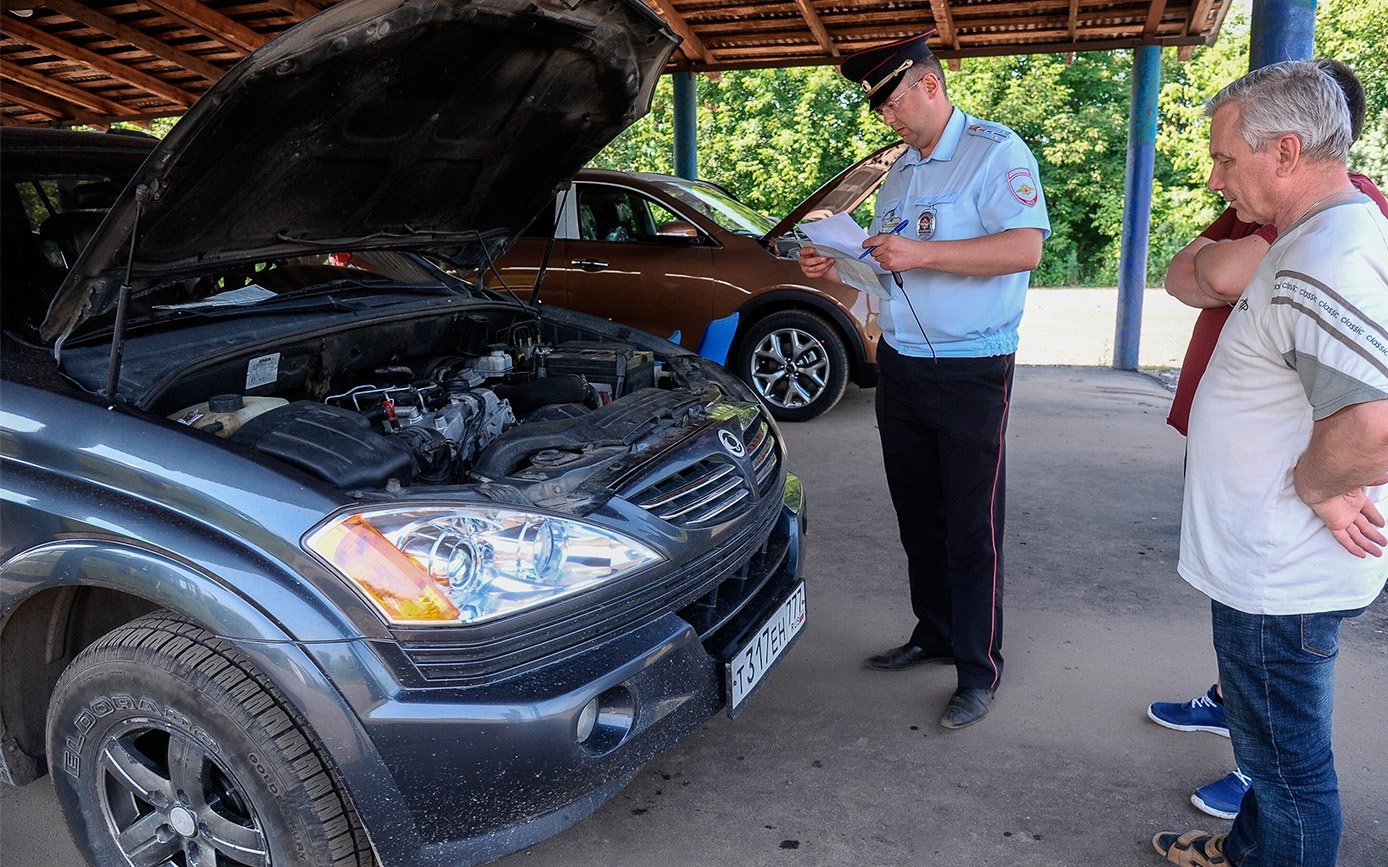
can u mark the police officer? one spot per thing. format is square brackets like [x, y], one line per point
[959, 223]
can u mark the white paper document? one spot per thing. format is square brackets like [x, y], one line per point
[840, 237]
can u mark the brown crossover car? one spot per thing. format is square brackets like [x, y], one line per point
[686, 258]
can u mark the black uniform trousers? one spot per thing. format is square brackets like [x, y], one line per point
[943, 423]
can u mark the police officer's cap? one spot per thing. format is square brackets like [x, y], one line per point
[879, 70]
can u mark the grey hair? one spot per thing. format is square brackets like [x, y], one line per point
[1296, 97]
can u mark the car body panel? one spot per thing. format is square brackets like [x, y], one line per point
[669, 284]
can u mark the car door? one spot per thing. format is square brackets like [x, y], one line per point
[618, 265]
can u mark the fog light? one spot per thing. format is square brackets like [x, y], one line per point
[587, 719]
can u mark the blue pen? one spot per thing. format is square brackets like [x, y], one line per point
[896, 231]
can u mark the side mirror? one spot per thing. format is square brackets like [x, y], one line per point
[677, 229]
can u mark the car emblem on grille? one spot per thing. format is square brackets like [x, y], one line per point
[731, 443]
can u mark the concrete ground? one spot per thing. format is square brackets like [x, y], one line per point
[832, 764]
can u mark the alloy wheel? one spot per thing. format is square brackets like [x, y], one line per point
[790, 368]
[168, 801]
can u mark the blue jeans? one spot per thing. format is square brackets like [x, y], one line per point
[1278, 678]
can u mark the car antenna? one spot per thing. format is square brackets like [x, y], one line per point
[549, 247]
[123, 299]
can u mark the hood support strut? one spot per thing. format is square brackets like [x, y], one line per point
[123, 301]
[549, 247]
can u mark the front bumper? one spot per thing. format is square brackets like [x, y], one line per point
[487, 770]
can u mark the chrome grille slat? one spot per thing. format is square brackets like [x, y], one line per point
[714, 489]
[763, 456]
[725, 488]
[758, 438]
[721, 507]
[684, 490]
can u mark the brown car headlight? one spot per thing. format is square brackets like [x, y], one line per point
[452, 565]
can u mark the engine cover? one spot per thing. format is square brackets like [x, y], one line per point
[332, 443]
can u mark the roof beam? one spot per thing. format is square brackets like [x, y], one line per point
[298, 8]
[1074, 18]
[944, 23]
[46, 41]
[60, 89]
[1154, 14]
[138, 38]
[211, 23]
[1199, 14]
[821, 33]
[692, 46]
[39, 102]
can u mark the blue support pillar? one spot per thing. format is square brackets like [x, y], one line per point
[1137, 204]
[686, 126]
[1281, 30]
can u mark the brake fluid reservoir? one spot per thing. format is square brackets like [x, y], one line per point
[223, 414]
[496, 363]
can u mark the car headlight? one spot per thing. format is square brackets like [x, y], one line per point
[468, 564]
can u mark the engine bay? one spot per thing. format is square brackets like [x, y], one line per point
[485, 396]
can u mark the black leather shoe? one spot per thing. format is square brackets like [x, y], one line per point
[906, 656]
[968, 705]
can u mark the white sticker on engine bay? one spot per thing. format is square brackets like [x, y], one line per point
[263, 371]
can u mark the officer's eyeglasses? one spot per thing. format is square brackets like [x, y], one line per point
[895, 102]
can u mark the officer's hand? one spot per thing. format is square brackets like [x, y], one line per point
[893, 252]
[814, 266]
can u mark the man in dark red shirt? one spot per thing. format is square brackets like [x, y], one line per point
[1211, 273]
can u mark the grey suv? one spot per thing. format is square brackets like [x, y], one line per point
[311, 553]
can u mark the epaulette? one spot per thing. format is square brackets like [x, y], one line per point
[989, 131]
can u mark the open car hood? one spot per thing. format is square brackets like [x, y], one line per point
[378, 123]
[844, 192]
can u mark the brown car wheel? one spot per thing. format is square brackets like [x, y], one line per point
[796, 362]
[167, 746]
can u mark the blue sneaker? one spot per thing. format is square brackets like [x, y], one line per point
[1201, 714]
[1222, 797]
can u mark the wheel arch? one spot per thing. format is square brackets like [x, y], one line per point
[778, 300]
[78, 602]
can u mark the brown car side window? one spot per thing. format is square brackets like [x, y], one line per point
[612, 214]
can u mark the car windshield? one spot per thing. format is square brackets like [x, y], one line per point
[720, 207]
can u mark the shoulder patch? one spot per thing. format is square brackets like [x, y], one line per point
[1023, 185]
[988, 131]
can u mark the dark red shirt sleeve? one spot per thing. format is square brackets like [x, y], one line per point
[1226, 227]
[1364, 185]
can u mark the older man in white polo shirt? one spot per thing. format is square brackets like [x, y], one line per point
[1288, 456]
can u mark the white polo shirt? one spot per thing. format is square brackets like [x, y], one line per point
[980, 180]
[1308, 338]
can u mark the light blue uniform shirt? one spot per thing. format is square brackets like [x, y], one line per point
[980, 180]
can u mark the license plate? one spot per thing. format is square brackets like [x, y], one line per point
[751, 663]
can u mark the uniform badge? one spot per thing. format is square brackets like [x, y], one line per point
[1023, 186]
[925, 224]
[889, 219]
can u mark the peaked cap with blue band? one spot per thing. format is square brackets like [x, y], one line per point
[879, 70]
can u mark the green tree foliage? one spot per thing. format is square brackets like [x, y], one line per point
[773, 136]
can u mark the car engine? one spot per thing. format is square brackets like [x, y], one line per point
[538, 409]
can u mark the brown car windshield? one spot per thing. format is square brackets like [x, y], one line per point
[720, 207]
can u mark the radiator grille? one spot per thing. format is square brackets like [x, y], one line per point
[714, 489]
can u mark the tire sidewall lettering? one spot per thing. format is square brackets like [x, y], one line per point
[139, 708]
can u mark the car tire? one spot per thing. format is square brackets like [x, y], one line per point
[166, 745]
[796, 362]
